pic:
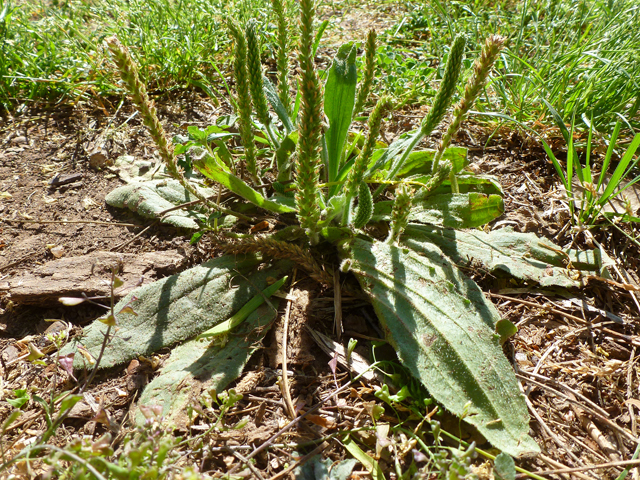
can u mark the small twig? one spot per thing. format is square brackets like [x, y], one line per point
[593, 412]
[301, 461]
[337, 303]
[286, 394]
[246, 461]
[137, 235]
[551, 461]
[185, 205]
[45, 222]
[622, 463]
[550, 432]
[295, 421]
[17, 262]
[579, 320]
[569, 389]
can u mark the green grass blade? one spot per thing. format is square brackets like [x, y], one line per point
[621, 170]
[246, 310]
[609, 154]
[316, 42]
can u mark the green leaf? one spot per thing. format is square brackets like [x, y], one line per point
[211, 170]
[272, 96]
[10, 419]
[316, 41]
[150, 198]
[420, 162]
[521, 255]
[339, 99]
[468, 210]
[198, 366]
[504, 467]
[392, 156]
[621, 170]
[22, 397]
[368, 462]
[467, 183]
[69, 402]
[443, 330]
[506, 329]
[318, 469]
[177, 308]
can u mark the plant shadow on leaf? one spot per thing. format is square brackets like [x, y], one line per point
[177, 308]
[444, 331]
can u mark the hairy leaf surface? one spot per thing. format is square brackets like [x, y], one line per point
[521, 255]
[177, 308]
[199, 366]
[151, 197]
[443, 329]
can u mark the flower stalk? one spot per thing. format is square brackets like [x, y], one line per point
[243, 99]
[475, 84]
[400, 212]
[439, 108]
[308, 162]
[369, 71]
[129, 74]
[282, 61]
[356, 174]
[279, 249]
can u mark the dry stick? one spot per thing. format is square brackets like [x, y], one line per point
[295, 421]
[131, 240]
[71, 221]
[593, 412]
[550, 432]
[17, 262]
[622, 463]
[285, 337]
[337, 303]
[246, 461]
[301, 461]
[551, 461]
[634, 425]
[575, 392]
[565, 431]
[240, 216]
[627, 338]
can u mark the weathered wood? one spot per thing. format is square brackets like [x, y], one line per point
[90, 274]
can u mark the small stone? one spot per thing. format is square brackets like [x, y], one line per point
[19, 140]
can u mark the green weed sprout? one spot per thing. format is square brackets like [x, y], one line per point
[586, 208]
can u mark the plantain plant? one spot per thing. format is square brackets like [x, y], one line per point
[303, 158]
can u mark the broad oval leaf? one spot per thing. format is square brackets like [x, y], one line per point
[199, 366]
[521, 255]
[152, 197]
[443, 329]
[177, 308]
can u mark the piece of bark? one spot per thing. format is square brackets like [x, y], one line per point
[91, 274]
[64, 179]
